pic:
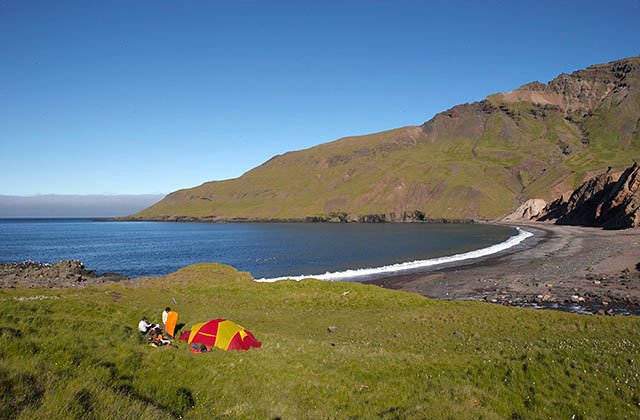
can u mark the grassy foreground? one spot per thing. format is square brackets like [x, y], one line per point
[76, 353]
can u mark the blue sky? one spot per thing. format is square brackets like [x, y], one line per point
[139, 97]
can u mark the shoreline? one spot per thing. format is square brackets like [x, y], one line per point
[576, 269]
[416, 266]
[341, 218]
[570, 268]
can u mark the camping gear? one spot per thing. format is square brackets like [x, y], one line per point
[158, 340]
[196, 349]
[170, 325]
[221, 333]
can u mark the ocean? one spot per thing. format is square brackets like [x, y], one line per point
[267, 250]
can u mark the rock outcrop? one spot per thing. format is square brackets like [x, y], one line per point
[579, 92]
[529, 210]
[608, 200]
[69, 273]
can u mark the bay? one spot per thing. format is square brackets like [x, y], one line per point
[266, 250]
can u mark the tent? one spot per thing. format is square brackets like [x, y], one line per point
[221, 333]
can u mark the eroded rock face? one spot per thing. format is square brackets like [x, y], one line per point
[579, 92]
[621, 203]
[529, 210]
[608, 200]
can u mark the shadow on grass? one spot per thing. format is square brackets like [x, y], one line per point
[18, 390]
[176, 407]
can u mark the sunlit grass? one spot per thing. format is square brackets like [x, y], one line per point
[77, 353]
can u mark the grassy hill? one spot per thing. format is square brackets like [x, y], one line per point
[477, 160]
[77, 354]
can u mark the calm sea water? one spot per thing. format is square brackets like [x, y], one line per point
[265, 250]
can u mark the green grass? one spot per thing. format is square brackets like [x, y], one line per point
[77, 354]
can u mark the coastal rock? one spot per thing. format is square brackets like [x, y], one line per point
[67, 273]
[529, 210]
[608, 200]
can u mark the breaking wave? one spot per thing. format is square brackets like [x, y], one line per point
[411, 265]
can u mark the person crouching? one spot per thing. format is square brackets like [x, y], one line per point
[145, 327]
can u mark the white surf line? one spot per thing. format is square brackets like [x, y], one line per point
[411, 265]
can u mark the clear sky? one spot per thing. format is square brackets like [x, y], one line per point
[130, 97]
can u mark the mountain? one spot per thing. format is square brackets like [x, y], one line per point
[478, 160]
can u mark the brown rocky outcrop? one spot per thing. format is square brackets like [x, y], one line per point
[579, 92]
[608, 200]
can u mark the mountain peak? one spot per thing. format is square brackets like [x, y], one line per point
[581, 91]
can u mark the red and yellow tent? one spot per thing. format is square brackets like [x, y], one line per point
[221, 333]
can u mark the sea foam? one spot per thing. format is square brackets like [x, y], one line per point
[411, 265]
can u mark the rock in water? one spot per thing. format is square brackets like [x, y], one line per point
[68, 273]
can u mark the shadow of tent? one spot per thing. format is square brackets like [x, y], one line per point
[179, 326]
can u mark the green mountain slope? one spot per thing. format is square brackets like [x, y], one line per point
[477, 160]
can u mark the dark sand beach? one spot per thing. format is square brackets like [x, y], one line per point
[579, 269]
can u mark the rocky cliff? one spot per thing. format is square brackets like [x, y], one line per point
[479, 160]
[610, 200]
